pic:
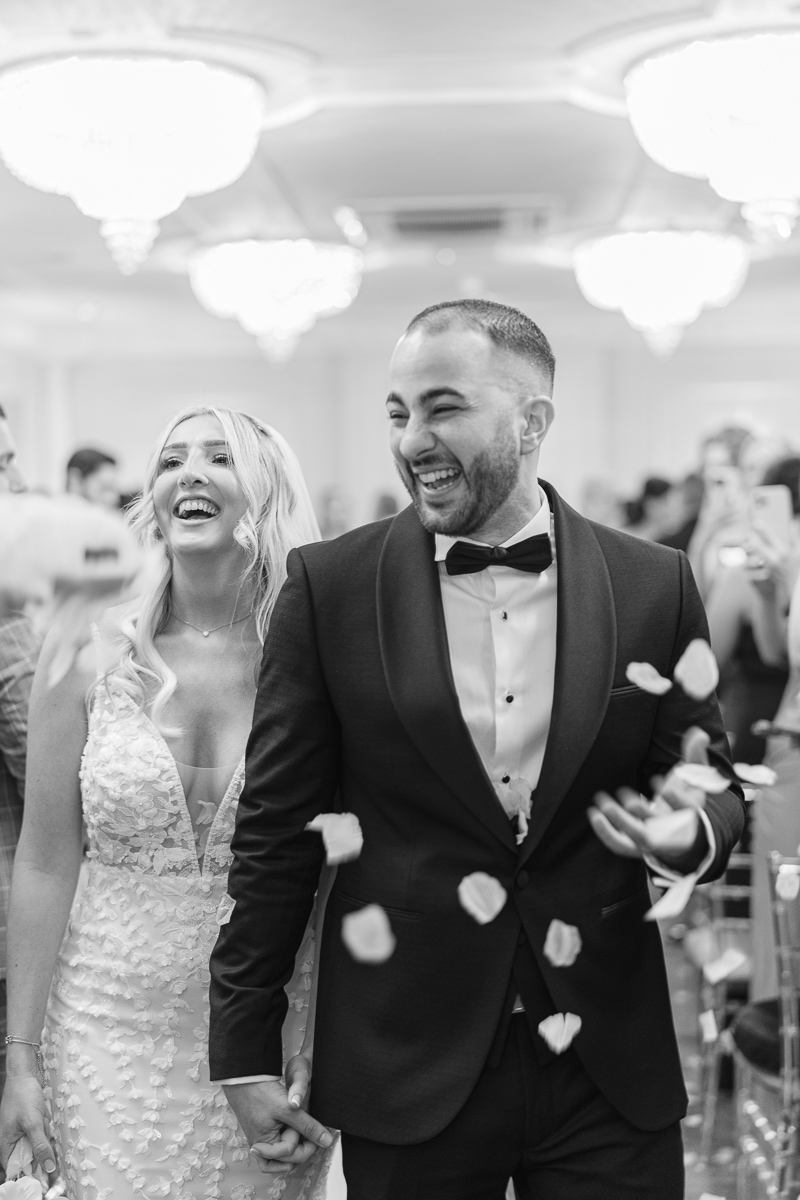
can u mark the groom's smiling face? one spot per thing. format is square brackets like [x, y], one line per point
[458, 419]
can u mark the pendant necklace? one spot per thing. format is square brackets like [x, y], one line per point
[206, 632]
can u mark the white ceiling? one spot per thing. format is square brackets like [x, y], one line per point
[414, 103]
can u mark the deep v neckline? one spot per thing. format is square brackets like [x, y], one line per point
[181, 792]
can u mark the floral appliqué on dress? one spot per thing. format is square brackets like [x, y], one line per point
[125, 1043]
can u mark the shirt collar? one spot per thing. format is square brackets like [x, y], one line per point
[539, 523]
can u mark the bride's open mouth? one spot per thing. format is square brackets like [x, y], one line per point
[196, 509]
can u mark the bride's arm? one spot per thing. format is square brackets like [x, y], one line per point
[45, 876]
[298, 1066]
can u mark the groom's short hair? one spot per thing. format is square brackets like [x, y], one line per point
[508, 328]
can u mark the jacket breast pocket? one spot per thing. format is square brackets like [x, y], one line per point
[640, 896]
[630, 689]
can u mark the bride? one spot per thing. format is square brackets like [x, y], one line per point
[153, 761]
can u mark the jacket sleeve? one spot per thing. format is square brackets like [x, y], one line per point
[677, 712]
[291, 775]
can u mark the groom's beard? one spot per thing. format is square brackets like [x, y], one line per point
[492, 477]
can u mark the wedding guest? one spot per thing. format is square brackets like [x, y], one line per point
[93, 474]
[656, 512]
[751, 685]
[154, 764]
[18, 652]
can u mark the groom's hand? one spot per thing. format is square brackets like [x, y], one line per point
[634, 827]
[280, 1133]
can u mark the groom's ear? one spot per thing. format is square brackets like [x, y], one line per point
[538, 414]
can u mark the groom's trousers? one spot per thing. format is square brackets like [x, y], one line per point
[545, 1125]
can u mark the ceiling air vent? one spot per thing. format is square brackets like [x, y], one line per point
[445, 219]
[448, 223]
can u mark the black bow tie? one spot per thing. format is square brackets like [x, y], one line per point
[534, 554]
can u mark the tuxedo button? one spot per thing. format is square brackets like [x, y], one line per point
[523, 879]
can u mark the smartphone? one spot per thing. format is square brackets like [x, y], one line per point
[771, 506]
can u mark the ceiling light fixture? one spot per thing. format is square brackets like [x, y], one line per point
[276, 290]
[661, 280]
[727, 109]
[128, 138]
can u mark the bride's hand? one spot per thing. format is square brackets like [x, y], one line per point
[22, 1114]
[298, 1078]
[280, 1134]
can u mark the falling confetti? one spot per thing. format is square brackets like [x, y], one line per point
[756, 773]
[368, 934]
[724, 966]
[560, 1030]
[647, 678]
[341, 833]
[562, 944]
[224, 909]
[482, 896]
[674, 831]
[696, 670]
[708, 1025]
[674, 900]
[698, 775]
[787, 885]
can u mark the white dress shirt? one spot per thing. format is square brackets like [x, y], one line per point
[501, 632]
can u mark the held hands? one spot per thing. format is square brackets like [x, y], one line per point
[281, 1134]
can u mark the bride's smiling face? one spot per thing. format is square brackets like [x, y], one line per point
[197, 497]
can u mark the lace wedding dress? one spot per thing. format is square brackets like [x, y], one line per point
[133, 1111]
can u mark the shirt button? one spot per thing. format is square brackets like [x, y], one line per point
[506, 779]
[509, 699]
[523, 879]
[505, 616]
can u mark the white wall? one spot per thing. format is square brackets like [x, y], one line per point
[620, 412]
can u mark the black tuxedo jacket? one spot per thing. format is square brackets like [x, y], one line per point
[357, 710]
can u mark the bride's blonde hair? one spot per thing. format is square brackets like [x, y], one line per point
[278, 516]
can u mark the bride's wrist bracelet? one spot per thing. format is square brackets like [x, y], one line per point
[10, 1038]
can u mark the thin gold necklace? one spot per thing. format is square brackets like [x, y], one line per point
[216, 629]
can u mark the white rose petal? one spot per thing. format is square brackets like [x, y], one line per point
[647, 678]
[482, 896]
[674, 900]
[560, 1030]
[708, 1025]
[694, 744]
[696, 670]
[675, 830]
[725, 965]
[698, 775]
[562, 944]
[368, 934]
[341, 833]
[756, 773]
[787, 885]
[224, 909]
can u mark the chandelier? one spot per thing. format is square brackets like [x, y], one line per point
[128, 138]
[727, 110]
[276, 290]
[661, 281]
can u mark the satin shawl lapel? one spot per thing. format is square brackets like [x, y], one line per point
[586, 644]
[416, 660]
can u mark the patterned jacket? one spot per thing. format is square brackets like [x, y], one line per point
[19, 649]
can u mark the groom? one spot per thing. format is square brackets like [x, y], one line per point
[427, 673]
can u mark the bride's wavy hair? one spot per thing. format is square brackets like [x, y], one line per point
[272, 524]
